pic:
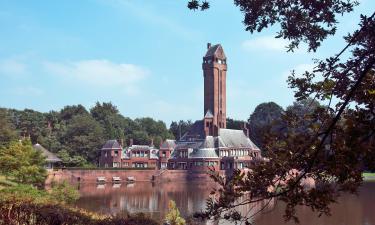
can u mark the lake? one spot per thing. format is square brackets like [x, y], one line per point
[153, 199]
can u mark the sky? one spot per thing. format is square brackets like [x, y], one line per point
[144, 56]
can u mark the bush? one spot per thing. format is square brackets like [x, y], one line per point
[64, 193]
[173, 216]
[26, 212]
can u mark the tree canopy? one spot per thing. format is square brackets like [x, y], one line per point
[331, 144]
[76, 134]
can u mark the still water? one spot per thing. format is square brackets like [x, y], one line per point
[153, 199]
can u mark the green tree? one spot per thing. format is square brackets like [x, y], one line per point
[235, 124]
[108, 116]
[266, 116]
[22, 163]
[180, 128]
[63, 193]
[339, 140]
[68, 112]
[7, 132]
[83, 137]
[173, 216]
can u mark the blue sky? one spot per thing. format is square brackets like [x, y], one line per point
[143, 55]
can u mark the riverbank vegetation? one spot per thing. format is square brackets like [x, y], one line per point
[25, 201]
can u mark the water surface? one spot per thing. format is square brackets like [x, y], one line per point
[153, 199]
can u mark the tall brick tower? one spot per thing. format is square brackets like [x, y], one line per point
[214, 71]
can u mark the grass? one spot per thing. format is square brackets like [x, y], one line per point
[368, 176]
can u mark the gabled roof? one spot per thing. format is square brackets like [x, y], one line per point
[168, 144]
[196, 132]
[111, 144]
[217, 51]
[50, 157]
[204, 153]
[235, 138]
[208, 114]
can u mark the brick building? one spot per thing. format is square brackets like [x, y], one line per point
[207, 144]
[135, 156]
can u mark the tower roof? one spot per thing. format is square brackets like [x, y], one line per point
[208, 114]
[215, 50]
[111, 144]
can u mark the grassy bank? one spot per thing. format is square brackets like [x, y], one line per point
[368, 176]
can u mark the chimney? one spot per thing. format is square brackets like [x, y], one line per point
[152, 142]
[245, 129]
[122, 142]
[161, 143]
[131, 142]
[208, 45]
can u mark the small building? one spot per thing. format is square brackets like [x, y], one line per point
[140, 156]
[135, 156]
[166, 149]
[111, 154]
[51, 159]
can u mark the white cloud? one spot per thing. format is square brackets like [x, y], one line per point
[101, 73]
[12, 67]
[268, 43]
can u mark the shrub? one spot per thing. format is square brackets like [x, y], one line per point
[26, 212]
[173, 216]
[63, 193]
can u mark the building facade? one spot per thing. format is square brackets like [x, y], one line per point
[208, 144]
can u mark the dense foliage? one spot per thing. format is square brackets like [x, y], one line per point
[21, 163]
[328, 139]
[265, 116]
[77, 134]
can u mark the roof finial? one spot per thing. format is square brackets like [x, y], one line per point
[208, 45]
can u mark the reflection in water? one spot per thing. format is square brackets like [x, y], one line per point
[190, 197]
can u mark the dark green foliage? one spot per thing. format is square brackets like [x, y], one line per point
[329, 145]
[7, 131]
[266, 116]
[235, 124]
[309, 21]
[178, 129]
[75, 134]
[84, 136]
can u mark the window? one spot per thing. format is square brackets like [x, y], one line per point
[136, 154]
[164, 154]
[142, 154]
[116, 153]
[106, 154]
[125, 164]
[106, 165]
[198, 163]
[116, 164]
